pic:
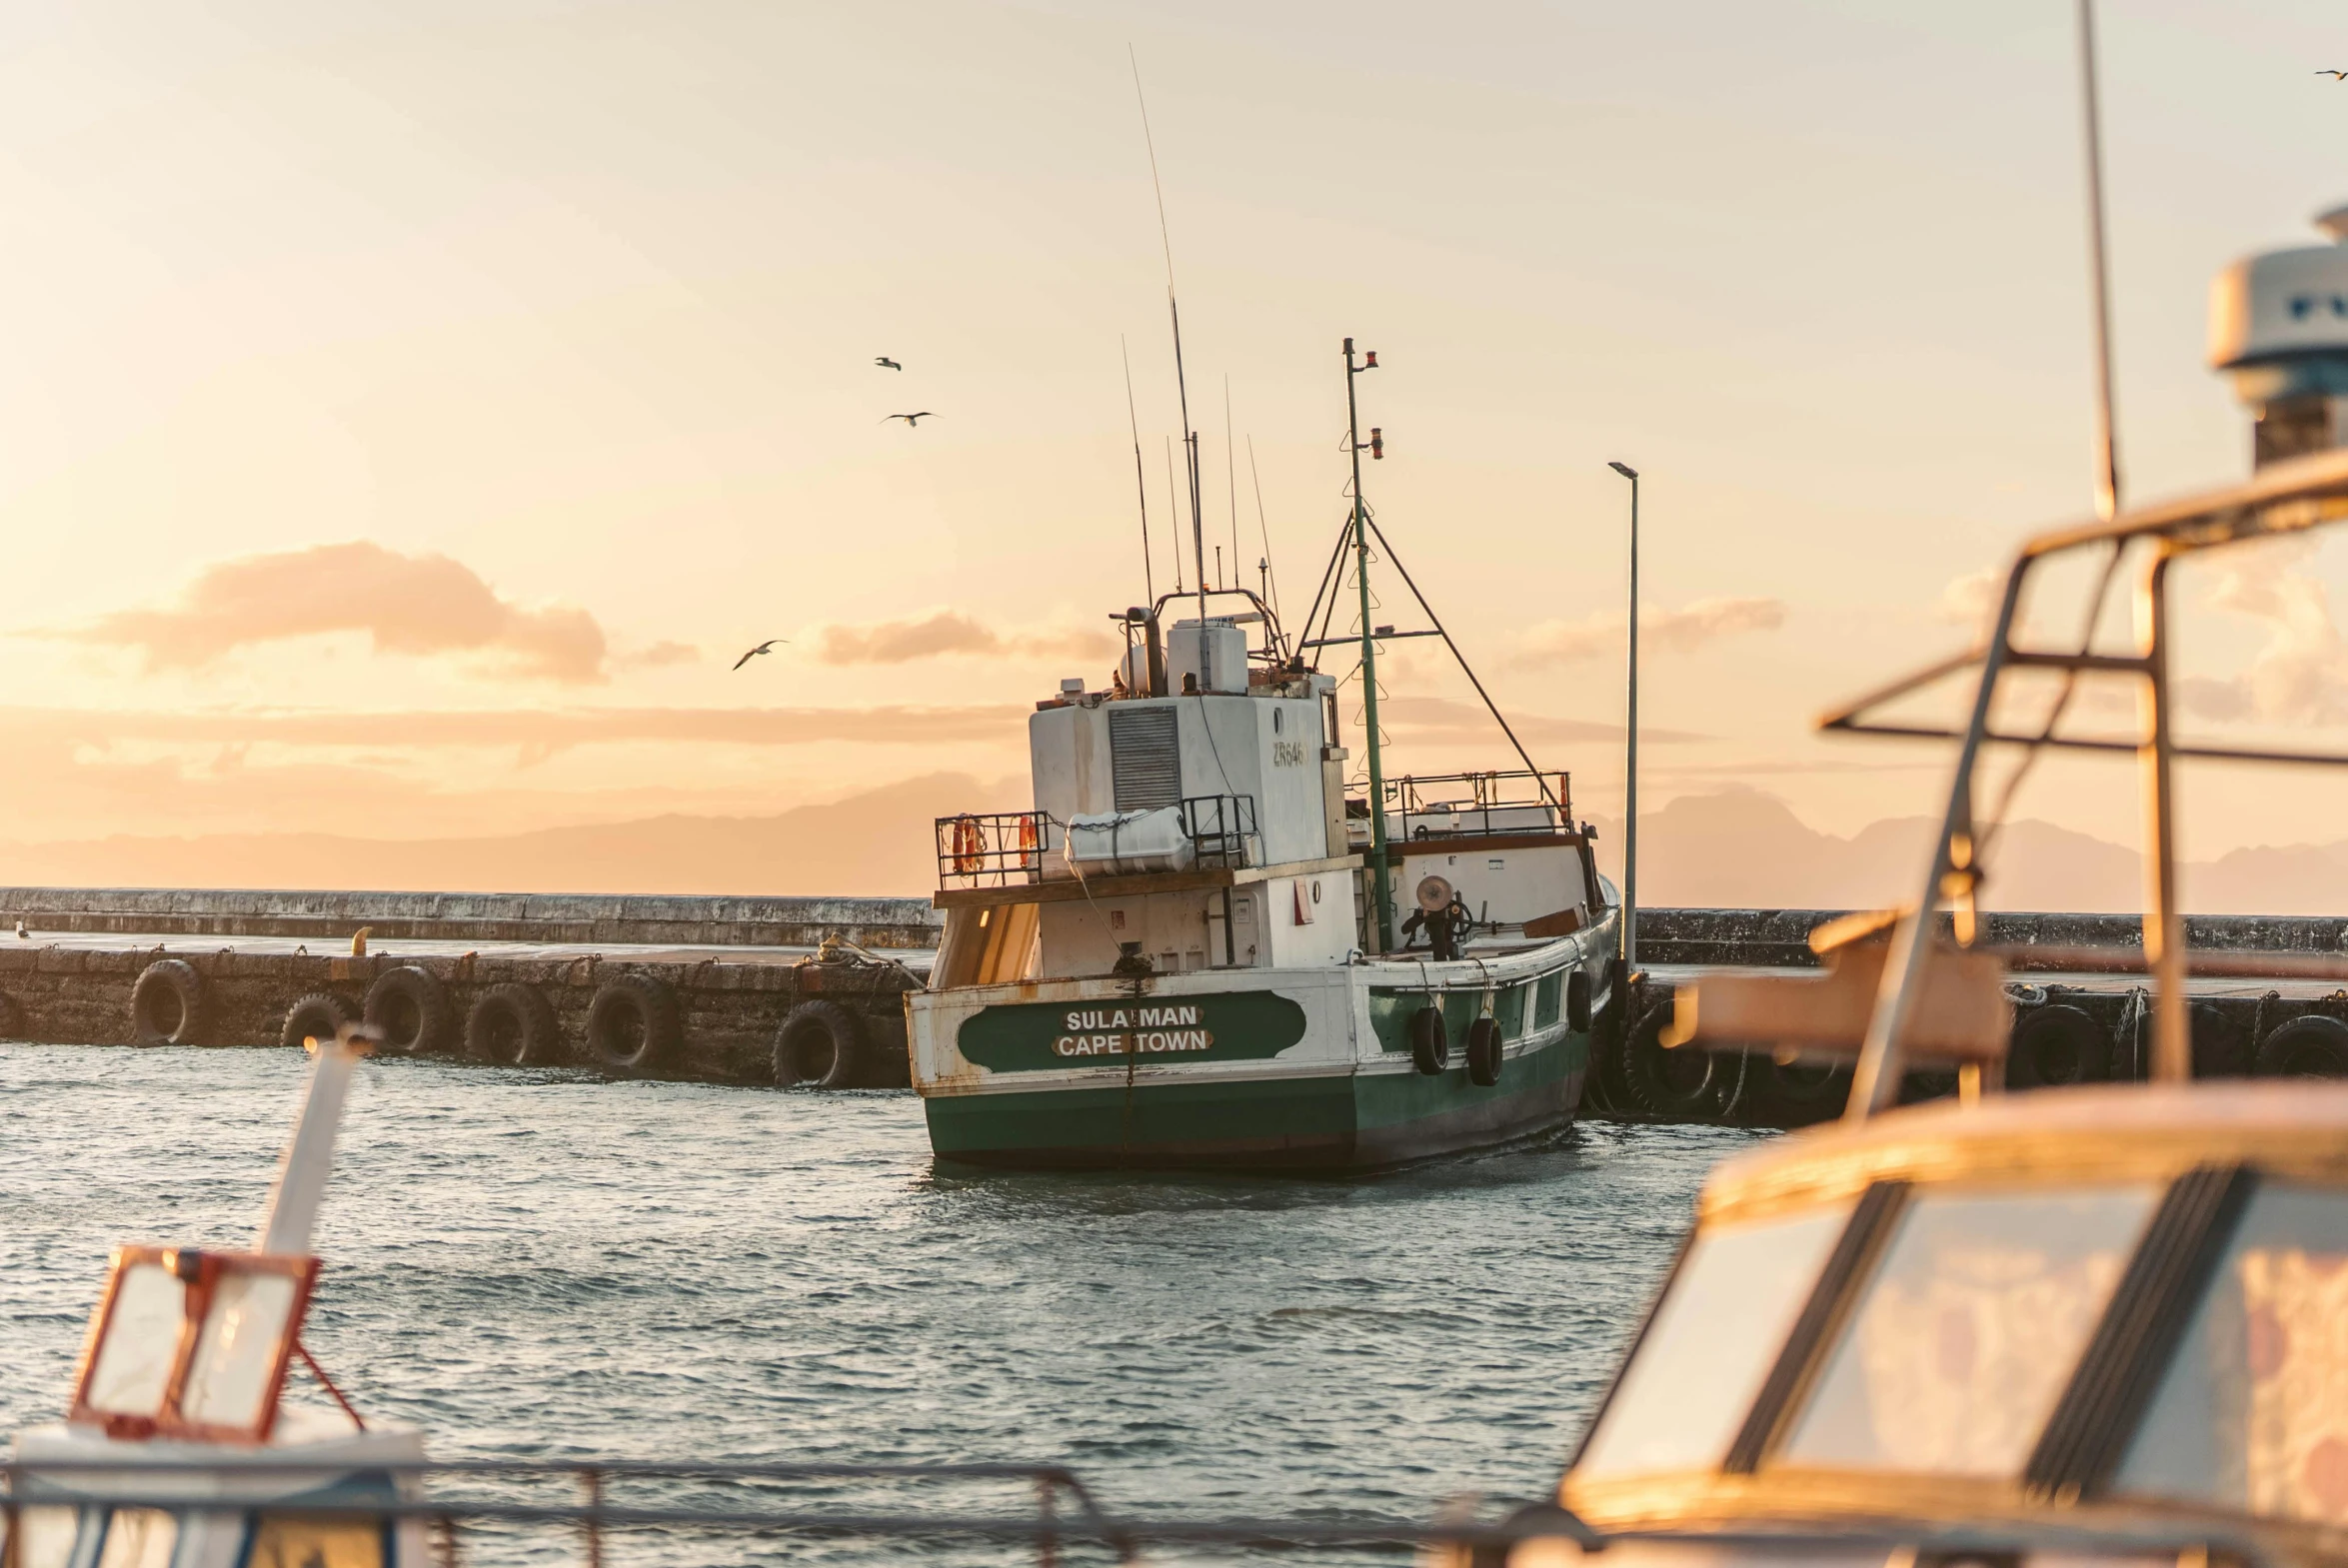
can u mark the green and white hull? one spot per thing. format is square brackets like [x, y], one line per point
[1257, 1068]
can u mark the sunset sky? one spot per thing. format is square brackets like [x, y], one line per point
[409, 412]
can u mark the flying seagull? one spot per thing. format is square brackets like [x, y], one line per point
[2337, 75]
[762, 648]
[910, 419]
[885, 363]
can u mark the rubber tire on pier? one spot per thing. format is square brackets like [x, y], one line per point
[513, 1026]
[633, 1024]
[1577, 1014]
[1430, 1042]
[2055, 1044]
[819, 1046]
[1483, 1052]
[168, 990]
[2312, 1047]
[11, 1018]
[1677, 1085]
[1799, 1092]
[2221, 1046]
[320, 1017]
[412, 1008]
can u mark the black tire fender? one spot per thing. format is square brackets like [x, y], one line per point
[2222, 1046]
[1578, 1011]
[1681, 1084]
[633, 1023]
[1483, 1052]
[412, 1010]
[168, 1005]
[514, 1025]
[820, 1045]
[319, 1016]
[2056, 1045]
[2310, 1046]
[1430, 1042]
[1803, 1091]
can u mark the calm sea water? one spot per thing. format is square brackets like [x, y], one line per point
[540, 1263]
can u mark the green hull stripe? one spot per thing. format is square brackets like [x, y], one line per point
[1351, 1121]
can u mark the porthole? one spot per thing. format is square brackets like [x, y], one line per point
[1276, 720]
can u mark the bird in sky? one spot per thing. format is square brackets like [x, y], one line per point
[2337, 75]
[910, 419]
[762, 648]
[885, 363]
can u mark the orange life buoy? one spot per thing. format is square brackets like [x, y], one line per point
[969, 846]
[1030, 856]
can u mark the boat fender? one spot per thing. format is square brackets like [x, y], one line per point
[1798, 1092]
[320, 1017]
[1577, 1012]
[1431, 1044]
[513, 1026]
[168, 1004]
[2312, 1047]
[633, 1025]
[1483, 1052]
[1682, 1085]
[2054, 1045]
[412, 1008]
[818, 1045]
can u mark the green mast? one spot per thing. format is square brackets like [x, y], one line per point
[1380, 876]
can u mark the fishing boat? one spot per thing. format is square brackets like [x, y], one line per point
[1185, 952]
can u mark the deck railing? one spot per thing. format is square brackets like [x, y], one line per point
[1450, 806]
[997, 849]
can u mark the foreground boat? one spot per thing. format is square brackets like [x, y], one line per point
[1185, 953]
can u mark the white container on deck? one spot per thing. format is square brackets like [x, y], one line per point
[1129, 843]
[1216, 655]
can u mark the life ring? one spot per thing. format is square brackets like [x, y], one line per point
[2055, 1044]
[514, 1025]
[1430, 1042]
[2311, 1046]
[412, 1010]
[1031, 844]
[633, 1025]
[1483, 1052]
[818, 1045]
[168, 1004]
[320, 1017]
[969, 847]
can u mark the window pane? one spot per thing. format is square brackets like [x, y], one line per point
[2253, 1413]
[1713, 1339]
[235, 1366]
[1969, 1329]
[133, 1368]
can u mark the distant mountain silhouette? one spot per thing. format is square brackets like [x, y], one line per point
[1735, 848]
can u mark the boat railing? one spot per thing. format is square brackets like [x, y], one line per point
[997, 849]
[1221, 827]
[1064, 1514]
[1477, 805]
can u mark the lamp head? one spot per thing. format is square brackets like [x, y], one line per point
[1623, 468]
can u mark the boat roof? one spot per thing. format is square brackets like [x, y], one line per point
[2110, 1131]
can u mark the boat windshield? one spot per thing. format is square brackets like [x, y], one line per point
[2253, 1413]
[1969, 1329]
[1711, 1342]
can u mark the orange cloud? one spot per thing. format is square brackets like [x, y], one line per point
[1701, 621]
[416, 605]
[948, 631]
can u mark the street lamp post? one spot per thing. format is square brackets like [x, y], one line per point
[1630, 750]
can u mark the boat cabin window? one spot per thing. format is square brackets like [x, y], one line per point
[1549, 1000]
[2253, 1413]
[1967, 1330]
[1712, 1343]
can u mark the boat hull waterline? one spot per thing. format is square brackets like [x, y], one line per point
[1265, 1070]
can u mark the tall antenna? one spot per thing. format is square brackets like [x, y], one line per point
[2107, 458]
[1181, 381]
[1172, 500]
[1141, 487]
[1230, 470]
[1272, 578]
